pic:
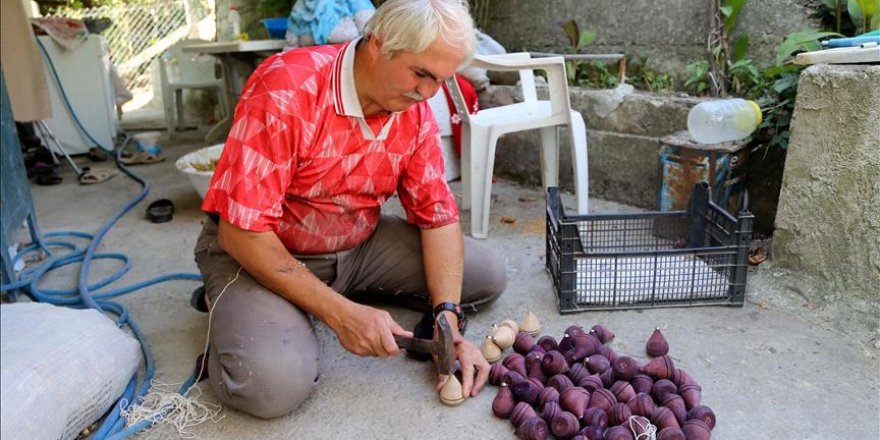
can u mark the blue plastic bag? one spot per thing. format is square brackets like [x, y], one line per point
[327, 21]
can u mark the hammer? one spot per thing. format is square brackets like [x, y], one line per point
[443, 347]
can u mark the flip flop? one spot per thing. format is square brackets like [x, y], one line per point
[160, 211]
[141, 157]
[90, 176]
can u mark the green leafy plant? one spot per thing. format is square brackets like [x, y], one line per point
[657, 82]
[696, 81]
[724, 49]
[578, 39]
[864, 14]
[849, 17]
[736, 49]
[745, 77]
[801, 41]
[596, 74]
[776, 99]
[642, 77]
[777, 90]
[731, 9]
[769, 144]
[834, 16]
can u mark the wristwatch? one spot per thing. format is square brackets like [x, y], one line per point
[454, 308]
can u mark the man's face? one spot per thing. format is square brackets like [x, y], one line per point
[407, 78]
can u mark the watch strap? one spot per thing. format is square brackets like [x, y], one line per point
[454, 308]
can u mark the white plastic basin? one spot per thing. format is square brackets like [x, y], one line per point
[199, 179]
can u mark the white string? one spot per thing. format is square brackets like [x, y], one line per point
[648, 432]
[163, 404]
[210, 318]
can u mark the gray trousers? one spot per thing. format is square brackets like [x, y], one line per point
[264, 352]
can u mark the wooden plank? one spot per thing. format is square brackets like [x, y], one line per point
[841, 55]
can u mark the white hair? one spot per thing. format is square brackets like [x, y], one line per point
[413, 25]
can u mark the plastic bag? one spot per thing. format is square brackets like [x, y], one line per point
[327, 21]
[62, 369]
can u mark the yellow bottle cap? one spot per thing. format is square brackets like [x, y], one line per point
[758, 112]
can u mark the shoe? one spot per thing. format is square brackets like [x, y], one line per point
[201, 370]
[424, 330]
[197, 300]
[46, 174]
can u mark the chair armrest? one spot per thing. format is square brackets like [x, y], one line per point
[504, 62]
[581, 56]
[612, 57]
[554, 67]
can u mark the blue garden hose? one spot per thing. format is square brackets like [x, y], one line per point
[87, 296]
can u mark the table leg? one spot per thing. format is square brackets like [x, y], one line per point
[221, 129]
[227, 60]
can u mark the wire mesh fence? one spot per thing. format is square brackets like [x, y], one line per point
[137, 33]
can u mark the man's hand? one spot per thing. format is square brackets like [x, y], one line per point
[474, 367]
[367, 331]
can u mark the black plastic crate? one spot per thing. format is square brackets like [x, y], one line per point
[687, 258]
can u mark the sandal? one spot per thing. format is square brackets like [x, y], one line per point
[141, 157]
[160, 211]
[90, 176]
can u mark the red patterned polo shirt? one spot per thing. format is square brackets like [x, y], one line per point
[302, 161]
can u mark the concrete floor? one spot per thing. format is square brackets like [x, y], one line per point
[772, 369]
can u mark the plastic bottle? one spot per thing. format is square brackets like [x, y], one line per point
[233, 24]
[723, 120]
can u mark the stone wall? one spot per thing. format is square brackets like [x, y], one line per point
[828, 222]
[623, 131]
[670, 33]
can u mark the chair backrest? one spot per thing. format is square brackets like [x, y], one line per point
[526, 76]
[554, 67]
[461, 108]
[178, 67]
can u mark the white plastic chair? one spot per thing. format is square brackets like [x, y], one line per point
[178, 71]
[480, 133]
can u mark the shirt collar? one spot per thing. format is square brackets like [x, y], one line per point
[345, 97]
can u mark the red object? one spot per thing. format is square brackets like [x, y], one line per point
[470, 98]
[303, 162]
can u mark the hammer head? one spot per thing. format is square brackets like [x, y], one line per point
[445, 346]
